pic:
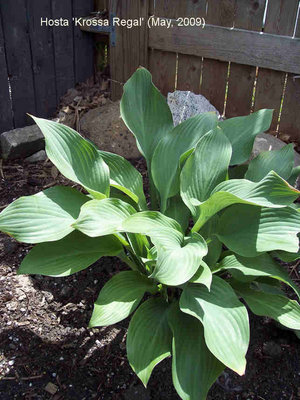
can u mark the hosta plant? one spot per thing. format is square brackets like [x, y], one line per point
[211, 235]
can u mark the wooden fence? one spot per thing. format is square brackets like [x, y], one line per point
[37, 63]
[246, 58]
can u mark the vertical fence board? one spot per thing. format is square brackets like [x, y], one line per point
[83, 42]
[42, 53]
[6, 117]
[214, 73]
[248, 15]
[116, 54]
[189, 73]
[280, 19]
[136, 38]
[290, 117]
[151, 7]
[100, 5]
[63, 48]
[162, 63]
[189, 67]
[18, 55]
[131, 48]
[143, 34]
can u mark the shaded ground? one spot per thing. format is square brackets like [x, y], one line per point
[44, 337]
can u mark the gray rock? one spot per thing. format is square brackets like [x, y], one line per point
[272, 349]
[21, 142]
[266, 142]
[136, 393]
[186, 104]
[39, 156]
[104, 127]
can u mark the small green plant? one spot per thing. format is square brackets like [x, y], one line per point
[214, 241]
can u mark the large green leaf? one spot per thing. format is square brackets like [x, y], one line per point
[294, 175]
[152, 223]
[68, 255]
[103, 217]
[165, 166]
[271, 191]
[280, 161]
[119, 297]
[224, 318]
[194, 368]
[139, 244]
[178, 211]
[247, 269]
[238, 171]
[177, 262]
[280, 308]
[42, 217]
[241, 131]
[213, 243]
[145, 112]
[203, 275]
[106, 216]
[125, 177]
[178, 258]
[149, 337]
[249, 230]
[205, 168]
[286, 256]
[76, 158]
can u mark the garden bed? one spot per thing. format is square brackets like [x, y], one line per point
[47, 352]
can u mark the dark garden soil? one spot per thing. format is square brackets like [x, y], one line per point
[47, 351]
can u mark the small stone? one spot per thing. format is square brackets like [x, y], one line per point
[77, 99]
[70, 96]
[66, 291]
[122, 345]
[39, 156]
[21, 142]
[11, 362]
[8, 246]
[51, 388]
[12, 306]
[272, 349]
[48, 296]
[136, 393]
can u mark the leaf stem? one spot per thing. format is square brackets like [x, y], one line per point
[152, 190]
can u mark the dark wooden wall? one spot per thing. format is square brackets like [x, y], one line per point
[39, 64]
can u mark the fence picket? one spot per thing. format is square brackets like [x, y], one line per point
[290, 117]
[6, 117]
[41, 42]
[214, 73]
[163, 64]
[131, 49]
[83, 42]
[189, 67]
[18, 57]
[248, 15]
[280, 19]
[63, 48]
